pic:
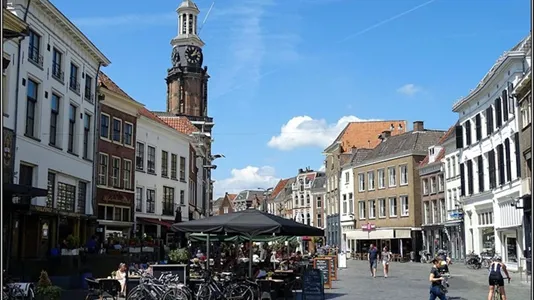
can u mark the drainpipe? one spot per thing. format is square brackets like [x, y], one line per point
[96, 139]
[17, 89]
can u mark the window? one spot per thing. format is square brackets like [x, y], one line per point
[151, 160]
[371, 180]
[128, 134]
[308, 219]
[372, 209]
[88, 91]
[82, 196]
[470, 187]
[351, 204]
[500, 164]
[116, 172]
[319, 220]
[51, 189]
[480, 173]
[489, 120]
[393, 206]
[182, 197]
[505, 105]
[467, 133]
[434, 212]
[57, 65]
[86, 135]
[443, 210]
[182, 168]
[381, 208]
[139, 199]
[518, 156]
[428, 215]
[426, 190]
[127, 173]
[361, 210]
[344, 204]
[453, 159]
[72, 128]
[66, 196]
[104, 126]
[117, 129]
[441, 183]
[174, 166]
[103, 169]
[498, 113]
[361, 180]
[404, 206]
[31, 106]
[150, 201]
[403, 174]
[34, 48]
[433, 185]
[478, 128]
[462, 180]
[164, 163]
[381, 178]
[225, 209]
[168, 201]
[319, 202]
[392, 177]
[508, 157]
[140, 156]
[114, 213]
[54, 116]
[74, 83]
[526, 114]
[449, 175]
[347, 176]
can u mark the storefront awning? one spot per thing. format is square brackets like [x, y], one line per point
[370, 235]
[18, 190]
[166, 224]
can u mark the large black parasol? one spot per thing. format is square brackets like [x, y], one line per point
[248, 223]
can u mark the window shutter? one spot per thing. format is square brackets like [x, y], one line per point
[462, 180]
[459, 137]
[505, 105]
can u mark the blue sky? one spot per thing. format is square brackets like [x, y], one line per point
[287, 75]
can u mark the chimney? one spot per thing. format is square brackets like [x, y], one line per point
[384, 135]
[418, 126]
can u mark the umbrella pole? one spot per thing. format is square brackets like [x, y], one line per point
[250, 259]
[208, 252]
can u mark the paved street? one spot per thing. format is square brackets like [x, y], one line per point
[410, 281]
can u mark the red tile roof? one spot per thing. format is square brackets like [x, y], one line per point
[279, 187]
[181, 124]
[106, 82]
[231, 197]
[150, 115]
[441, 153]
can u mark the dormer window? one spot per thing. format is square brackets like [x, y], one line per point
[431, 151]
[400, 127]
[391, 127]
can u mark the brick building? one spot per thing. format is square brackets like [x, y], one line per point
[115, 186]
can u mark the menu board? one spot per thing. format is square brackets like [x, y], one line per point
[324, 264]
[333, 265]
[312, 285]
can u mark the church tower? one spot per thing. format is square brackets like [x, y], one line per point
[187, 79]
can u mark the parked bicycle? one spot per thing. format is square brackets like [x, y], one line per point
[473, 261]
[167, 287]
[226, 287]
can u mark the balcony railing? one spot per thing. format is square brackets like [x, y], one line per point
[57, 73]
[74, 85]
[88, 96]
[35, 57]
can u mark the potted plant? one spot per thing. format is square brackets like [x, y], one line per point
[45, 290]
[179, 255]
[113, 274]
[148, 244]
[135, 245]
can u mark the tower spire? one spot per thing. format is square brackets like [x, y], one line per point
[187, 25]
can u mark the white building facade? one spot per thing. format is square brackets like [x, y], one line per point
[490, 169]
[159, 196]
[454, 225]
[53, 113]
[346, 191]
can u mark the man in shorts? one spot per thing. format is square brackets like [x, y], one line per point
[372, 257]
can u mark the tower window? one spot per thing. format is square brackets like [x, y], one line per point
[184, 24]
[190, 24]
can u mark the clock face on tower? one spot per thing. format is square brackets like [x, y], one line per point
[193, 55]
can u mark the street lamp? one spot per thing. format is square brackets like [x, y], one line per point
[266, 194]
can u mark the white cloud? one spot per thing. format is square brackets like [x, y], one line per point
[409, 89]
[304, 131]
[322, 168]
[249, 177]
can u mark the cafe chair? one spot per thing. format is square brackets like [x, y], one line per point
[93, 289]
[110, 288]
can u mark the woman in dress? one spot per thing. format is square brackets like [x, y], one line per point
[386, 258]
[120, 275]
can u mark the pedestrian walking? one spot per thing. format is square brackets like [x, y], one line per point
[436, 285]
[386, 258]
[372, 257]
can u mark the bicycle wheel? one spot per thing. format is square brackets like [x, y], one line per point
[486, 264]
[135, 294]
[203, 292]
[175, 294]
[240, 291]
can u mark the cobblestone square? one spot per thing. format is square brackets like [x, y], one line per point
[410, 281]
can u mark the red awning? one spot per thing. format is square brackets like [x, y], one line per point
[167, 224]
